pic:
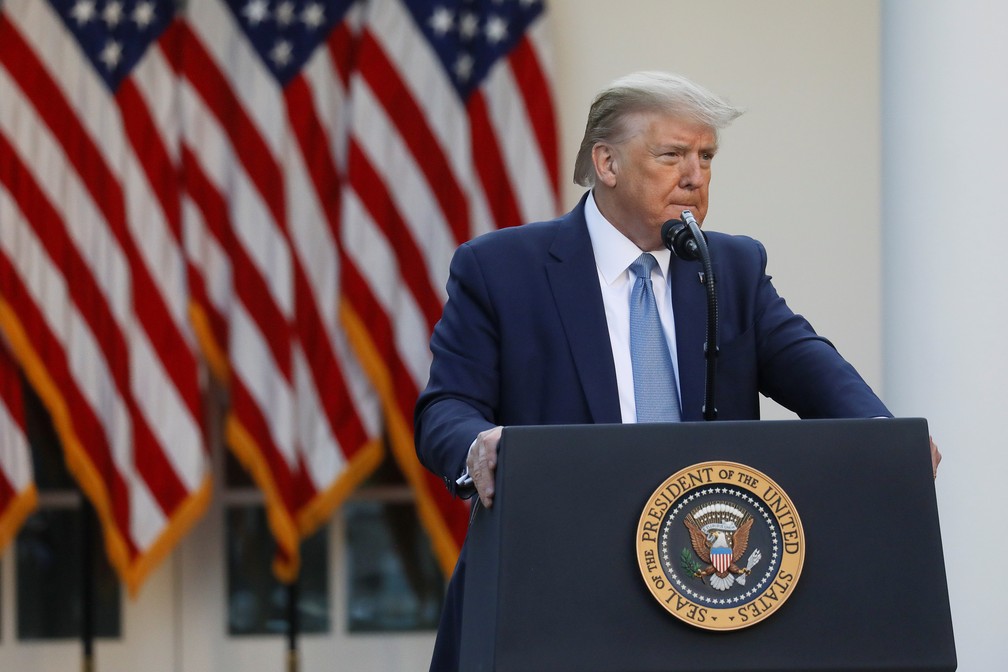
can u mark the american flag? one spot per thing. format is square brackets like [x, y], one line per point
[452, 133]
[280, 183]
[93, 278]
[264, 118]
[17, 486]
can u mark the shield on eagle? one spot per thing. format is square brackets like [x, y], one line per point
[721, 558]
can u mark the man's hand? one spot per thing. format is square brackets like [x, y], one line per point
[482, 464]
[935, 457]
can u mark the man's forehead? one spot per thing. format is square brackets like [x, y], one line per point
[672, 129]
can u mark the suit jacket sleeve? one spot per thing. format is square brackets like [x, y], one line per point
[800, 369]
[461, 394]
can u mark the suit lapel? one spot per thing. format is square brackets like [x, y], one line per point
[689, 304]
[573, 279]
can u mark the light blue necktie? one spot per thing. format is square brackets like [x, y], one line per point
[654, 379]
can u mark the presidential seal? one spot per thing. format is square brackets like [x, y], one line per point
[720, 545]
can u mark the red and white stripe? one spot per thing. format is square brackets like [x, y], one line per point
[94, 280]
[262, 166]
[721, 559]
[426, 173]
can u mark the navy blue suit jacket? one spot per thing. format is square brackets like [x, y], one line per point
[523, 340]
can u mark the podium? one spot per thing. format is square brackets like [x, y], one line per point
[553, 581]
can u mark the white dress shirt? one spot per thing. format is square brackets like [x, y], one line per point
[614, 253]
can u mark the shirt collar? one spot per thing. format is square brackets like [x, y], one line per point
[614, 252]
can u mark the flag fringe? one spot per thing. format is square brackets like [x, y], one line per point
[443, 543]
[15, 513]
[286, 530]
[213, 353]
[318, 511]
[244, 447]
[132, 571]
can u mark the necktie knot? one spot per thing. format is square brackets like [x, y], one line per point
[643, 265]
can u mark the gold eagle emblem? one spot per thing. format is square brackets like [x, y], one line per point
[719, 534]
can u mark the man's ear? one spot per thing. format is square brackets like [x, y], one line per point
[606, 162]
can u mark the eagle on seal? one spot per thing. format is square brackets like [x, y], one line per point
[719, 547]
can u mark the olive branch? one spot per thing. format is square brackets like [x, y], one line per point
[689, 563]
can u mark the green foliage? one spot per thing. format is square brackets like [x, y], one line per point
[689, 562]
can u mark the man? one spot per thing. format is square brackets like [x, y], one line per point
[542, 324]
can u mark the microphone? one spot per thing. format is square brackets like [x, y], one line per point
[677, 236]
[688, 243]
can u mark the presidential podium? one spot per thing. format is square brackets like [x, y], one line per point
[554, 581]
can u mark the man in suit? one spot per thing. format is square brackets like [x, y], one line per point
[537, 330]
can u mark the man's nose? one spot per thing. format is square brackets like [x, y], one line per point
[691, 172]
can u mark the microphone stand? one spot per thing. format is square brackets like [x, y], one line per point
[684, 238]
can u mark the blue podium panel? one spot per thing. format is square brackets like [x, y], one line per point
[553, 580]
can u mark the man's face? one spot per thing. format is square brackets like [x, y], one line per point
[662, 168]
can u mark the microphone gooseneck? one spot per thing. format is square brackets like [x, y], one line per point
[687, 242]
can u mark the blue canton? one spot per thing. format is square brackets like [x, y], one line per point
[286, 32]
[469, 36]
[114, 34]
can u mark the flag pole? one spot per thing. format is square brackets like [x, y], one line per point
[292, 625]
[87, 585]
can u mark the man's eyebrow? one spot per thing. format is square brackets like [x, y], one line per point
[683, 147]
[663, 147]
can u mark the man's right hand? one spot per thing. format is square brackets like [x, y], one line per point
[482, 464]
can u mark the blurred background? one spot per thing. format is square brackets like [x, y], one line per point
[225, 227]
